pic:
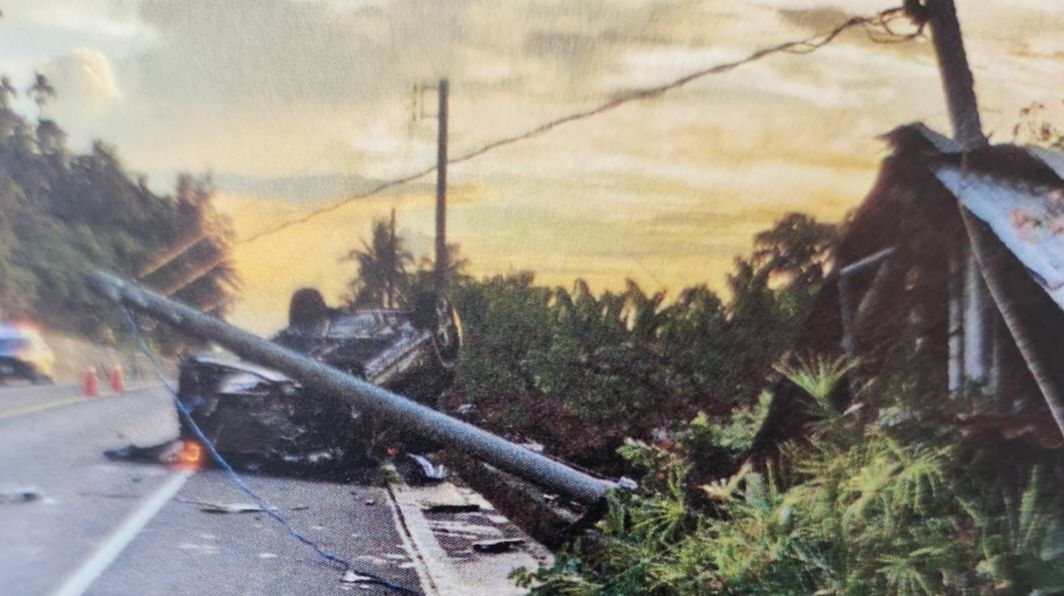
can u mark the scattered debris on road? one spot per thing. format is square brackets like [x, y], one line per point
[429, 471]
[213, 507]
[451, 508]
[497, 546]
[231, 508]
[352, 577]
[110, 495]
[21, 495]
[166, 452]
[199, 548]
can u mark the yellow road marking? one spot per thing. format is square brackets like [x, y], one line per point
[43, 407]
[74, 400]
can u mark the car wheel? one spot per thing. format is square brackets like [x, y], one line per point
[40, 379]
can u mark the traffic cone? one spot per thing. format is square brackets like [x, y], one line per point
[117, 379]
[91, 385]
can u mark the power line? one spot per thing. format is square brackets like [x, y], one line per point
[878, 27]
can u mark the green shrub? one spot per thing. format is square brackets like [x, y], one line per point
[857, 510]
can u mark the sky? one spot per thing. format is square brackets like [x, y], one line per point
[293, 104]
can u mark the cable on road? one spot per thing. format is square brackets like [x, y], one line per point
[878, 27]
[329, 557]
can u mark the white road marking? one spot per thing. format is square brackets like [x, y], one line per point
[76, 584]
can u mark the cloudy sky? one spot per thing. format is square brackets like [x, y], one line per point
[295, 103]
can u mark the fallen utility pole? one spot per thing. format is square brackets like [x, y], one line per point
[370, 398]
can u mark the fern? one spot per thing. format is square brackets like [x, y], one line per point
[818, 377]
[887, 509]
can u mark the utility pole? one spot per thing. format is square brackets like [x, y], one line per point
[363, 395]
[393, 246]
[959, 87]
[441, 189]
[956, 75]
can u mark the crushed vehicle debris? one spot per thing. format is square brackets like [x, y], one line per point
[451, 508]
[497, 546]
[231, 508]
[257, 416]
[212, 507]
[164, 453]
[351, 577]
[429, 472]
[436, 324]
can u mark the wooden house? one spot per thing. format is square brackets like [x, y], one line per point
[908, 300]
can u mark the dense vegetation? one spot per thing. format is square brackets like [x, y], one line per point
[62, 214]
[899, 506]
[890, 498]
[580, 372]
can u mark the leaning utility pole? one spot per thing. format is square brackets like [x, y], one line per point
[959, 87]
[956, 75]
[441, 189]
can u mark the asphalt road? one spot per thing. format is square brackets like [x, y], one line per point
[111, 528]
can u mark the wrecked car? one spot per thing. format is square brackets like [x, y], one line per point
[259, 417]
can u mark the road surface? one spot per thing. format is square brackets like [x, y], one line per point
[53, 442]
[116, 528]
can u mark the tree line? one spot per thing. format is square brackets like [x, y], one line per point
[64, 213]
[581, 371]
[901, 500]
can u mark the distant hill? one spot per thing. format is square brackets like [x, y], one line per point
[64, 213]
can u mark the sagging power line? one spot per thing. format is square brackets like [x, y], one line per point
[878, 27]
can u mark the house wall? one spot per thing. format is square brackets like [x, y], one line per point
[937, 327]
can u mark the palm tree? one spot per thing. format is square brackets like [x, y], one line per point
[9, 121]
[7, 92]
[41, 90]
[382, 267]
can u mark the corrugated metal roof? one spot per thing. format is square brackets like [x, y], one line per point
[940, 141]
[1028, 218]
[1051, 158]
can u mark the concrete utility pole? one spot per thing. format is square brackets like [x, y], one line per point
[959, 87]
[441, 188]
[335, 384]
[956, 75]
[393, 242]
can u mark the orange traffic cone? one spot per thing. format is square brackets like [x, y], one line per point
[91, 386]
[117, 379]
